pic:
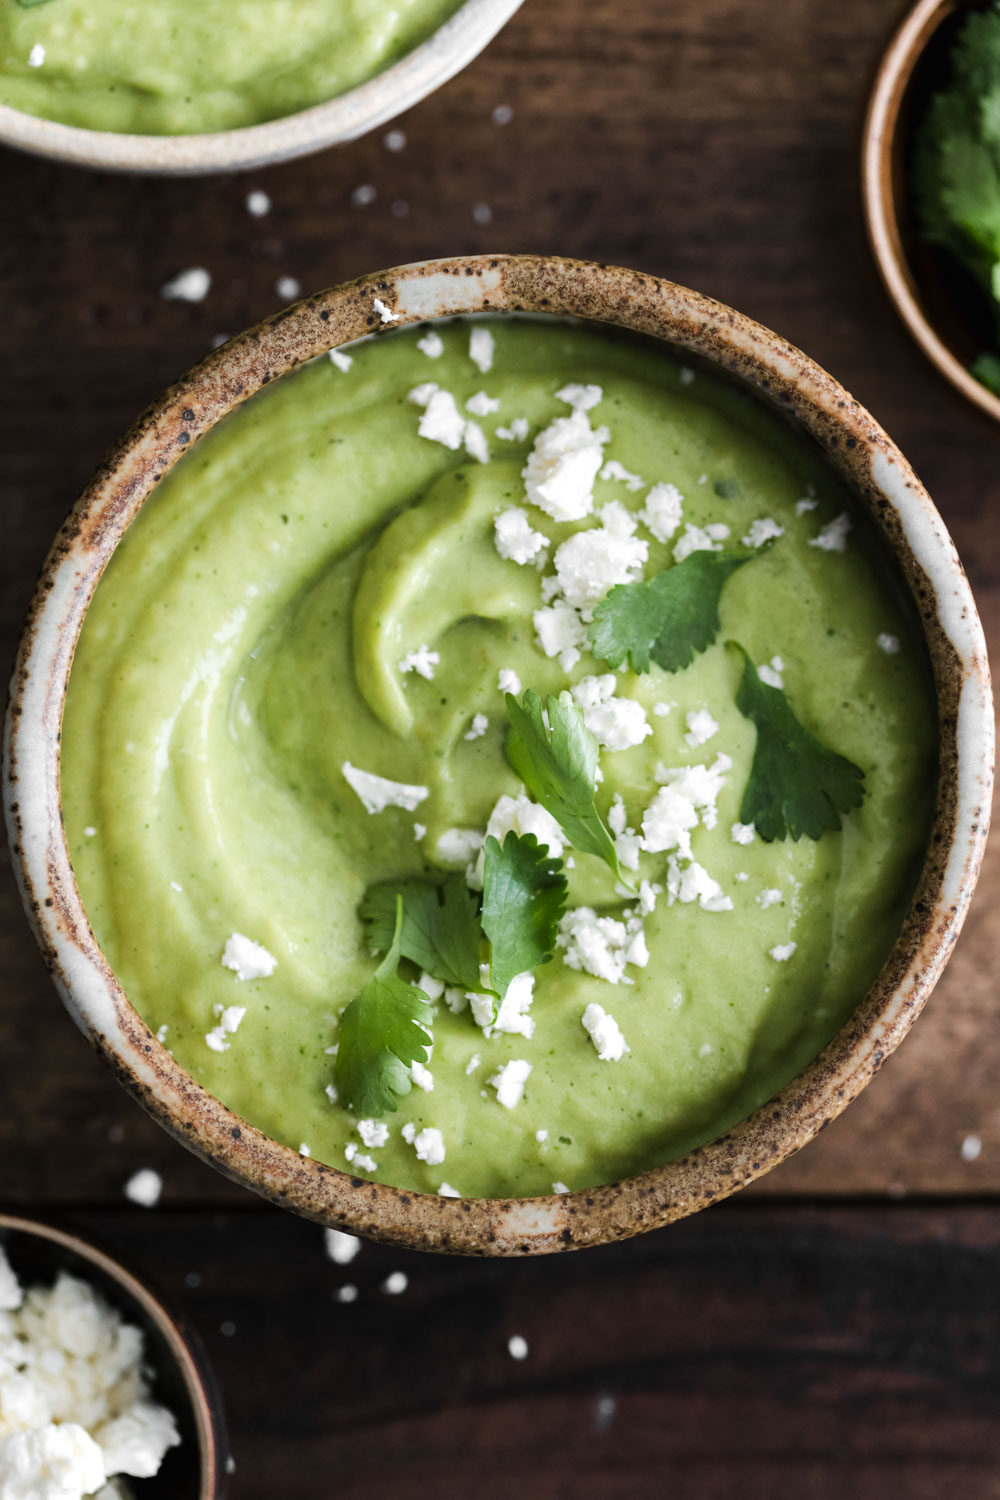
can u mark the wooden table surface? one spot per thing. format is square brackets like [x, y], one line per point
[838, 1326]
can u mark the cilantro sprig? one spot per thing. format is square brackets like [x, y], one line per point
[557, 761]
[666, 619]
[797, 785]
[439, 930]
[384, 1030]
[524, 897]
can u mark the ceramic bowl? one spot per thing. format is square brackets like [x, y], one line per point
[858, 450]
[942, 308]
[462, 37]
[196, 1469]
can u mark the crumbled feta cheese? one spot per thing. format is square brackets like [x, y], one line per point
[447, 1191]
[742, 833]
[888, 643]
[442, 422]
[89, 832]
[456, 1000]
[762, 531]
[346, 1293]
[36, 56]
[432, 344]
[480, 724]
[509, 1082]
[476, 445]
[522, 816]
[373, 1133]
[340, 1246]
[802, 506]
[472, 1064]
[701, 727]
[783, 952]
[432, 988]
[560, 1188]
[257, 204]
[590, 691]
[517, 1347]
[377, 793]
[833, 537]
[228, 1021]
[58, 1461]
[187, 286]
[340, 359]
[429, 1146]
[512, 1017]
[701, 784]
[395, 1283]
[422, 661]
[580, 397]
[605, 1033]
[247, 959]
[662, 709]
[385, 313]
[508, 681]
[662, 511]
[456, 846]
[601, 946]
[668, 821]
[482, 405]
[329, 1090]
[422, 1077]
[136, 1440]
[769, 897]
[694, 883]
[618, 723]
[481, 348]
[696, 539]
[359, 1160]
[515, 537]
[562, 466]
[541, 1136]
[420, 395]
[11, 1292]
[560, 632]
[771, 672]
[516, 432]
[613, 470]
[592, 562]
[144, 1187]
[419, 831]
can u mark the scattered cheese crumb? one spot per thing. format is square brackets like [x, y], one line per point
[833, 537]
[517, 1347]
[970, 1148]
[394, 140]
[456, 846]
[888, 643]
[442, 422]
[89, 832]
[605, 1033]
[594, 561]
[340, 1246]
[479, 726]
[783, 952]
[229, 1018]
[373, 1133]
[762, 531]
[560, 632]
[386, 315]
[362, 196]
[482, 405]
[288, 288]
[358, 1160]
[347, 1293]
[395, 1283]
[700, 539]
[257, 204]
[516, 432]
[481, 349]
[541, 1136]
[36, 56]
[580, 397]
[602, 946]
[476, 445]
[422, 661]
[562, 466]
[447, 1191]
[694, 883]
[187, 286]
[771, 672]
[701, 727]
[662, 511]
[613, 470]
[429, 1146]
[340, 359]
[742, 833]
[472, 1064]
[247, 959]
[802, 506]
[502, 114]
[508, 681]
[432, 344]
[377, 793]
[422, 1077]
[769, 897]
[144, 1187]
[560, 1188]
[509, 1082]
[515, 538]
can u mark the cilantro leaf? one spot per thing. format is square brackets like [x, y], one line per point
[383, 1030]
[440, 926]
[797, 785]
[524, 896]
[667, 618]
[558, 765]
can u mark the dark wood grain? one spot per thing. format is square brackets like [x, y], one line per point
[767, 1349]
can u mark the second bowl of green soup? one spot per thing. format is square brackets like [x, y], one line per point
[519, 775]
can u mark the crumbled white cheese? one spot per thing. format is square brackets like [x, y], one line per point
[432, 988]
[701, 727]
[700, 539]
[762, 531]
[36, 56]
[191, 285]
[373, 1133]
[783, 952]
[420, 395]
[618, 519]
[802, 506]
[522, 816]
[594, 561]
[481, 348]
[647, 896]
[340, 1246]
[422, 661]
[359, 1160]
[478, 727]
[602, 946]
[476, 445]
[442, 422]
[228, 1022]
[541, 1136]
[456, 1000]
[512, 1017]
[456, 846]
[447, 1191]
[341, 360]
[432, 344]
[517, 1347]
[144, 1187]
[395, 1283]
[257, 204]
[247, 959]
[618, 723]
[560, 632]
[516, 432]
[509, 1082]
[605, 1033]
[701, 784]
[769, 897]
[833, 537]
[419, 831]
[482, 405]
[668, 821]
[580, 397]
[385, 313]
[89, 832]
[590, 691]
[686, 375]
[662, 709]
[422, 1077]
[377, 793]
[515, 537]
[613, 470]
[58, 1461]
[742, 833]
[472, 1064]
[508, 681]
[429, 1146]
[560, 1188]
[694, 883]
[329, 1090]
[888, 643]
[771, 672]
[11, 1291]
[562, 466]
[662, 511]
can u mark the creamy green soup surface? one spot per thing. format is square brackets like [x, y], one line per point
[324, 590]
[178, 67]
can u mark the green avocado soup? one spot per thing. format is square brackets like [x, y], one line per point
[181, 67]
[318, 590]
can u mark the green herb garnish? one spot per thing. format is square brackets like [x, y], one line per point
[383, 1032]
[524, 896]
[558, 764]
[797, 785]
[440, 926]
[668, 618]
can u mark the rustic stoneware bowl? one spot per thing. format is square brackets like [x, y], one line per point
[196, 1469]
[462, 37]
[941, 308]
[857, 449]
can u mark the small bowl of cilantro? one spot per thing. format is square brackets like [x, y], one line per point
[931, 183]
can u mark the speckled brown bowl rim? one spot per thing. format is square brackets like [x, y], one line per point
[392, 91]
[856, 447]
[200, 1387]
[879, 193]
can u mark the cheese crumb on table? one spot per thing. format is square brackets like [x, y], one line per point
[257, 204]
[517, 1346]
[144, 1187]
[347, 1293]
[340, 1246]
[191, 285]
[395, 1283]
[247, 959]
[971, 1148]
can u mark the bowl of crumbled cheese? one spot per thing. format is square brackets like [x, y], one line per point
[103, 1391]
